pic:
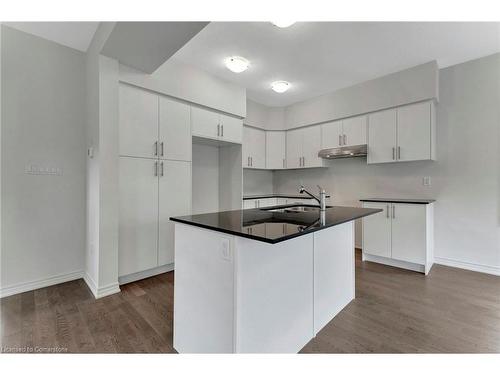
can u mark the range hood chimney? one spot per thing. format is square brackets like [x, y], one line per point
[344, 152]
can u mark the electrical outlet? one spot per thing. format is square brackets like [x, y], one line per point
[426, 181]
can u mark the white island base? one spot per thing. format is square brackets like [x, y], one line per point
[238, 295]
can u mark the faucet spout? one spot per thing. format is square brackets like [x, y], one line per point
[321, 199]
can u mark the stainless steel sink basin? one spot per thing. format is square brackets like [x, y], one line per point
[292, 209]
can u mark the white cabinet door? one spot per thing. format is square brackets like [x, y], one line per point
[138, 215]
[248, 203]
[377, 230]
[246, 146]
[409, 232]
[204, 123]
[231, 129]
[174, 130]
[382, 136]
[138, 122]
[174, 200]
[294, 148]
[354, 131]
[258, 151]
[414, 132]
[311, 138]
[254, 148]
[331, 134]
[275, 150]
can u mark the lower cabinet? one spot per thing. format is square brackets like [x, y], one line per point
[401, 235]
[151, 191]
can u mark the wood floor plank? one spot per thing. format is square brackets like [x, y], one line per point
[395, 311]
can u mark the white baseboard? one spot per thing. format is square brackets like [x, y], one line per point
[145, 274]
[492, 270]
[394, 263]
[37, 284]
[103, 291]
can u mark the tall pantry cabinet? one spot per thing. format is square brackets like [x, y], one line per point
[154, 177]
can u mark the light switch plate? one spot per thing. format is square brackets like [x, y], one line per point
[43, 170]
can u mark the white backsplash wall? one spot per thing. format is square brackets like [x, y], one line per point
[464, 179]
[256, 181]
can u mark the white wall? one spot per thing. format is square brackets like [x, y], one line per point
[43, 123]
[264, 117]
[186, 82]
[101, 248]
[407, 86]
[465, 178]
[257, 181]
[205, 178]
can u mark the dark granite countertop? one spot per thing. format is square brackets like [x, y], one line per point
[292, 196]
[399, 200]
[274, 224]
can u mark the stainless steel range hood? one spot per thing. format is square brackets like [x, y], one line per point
[343, 152]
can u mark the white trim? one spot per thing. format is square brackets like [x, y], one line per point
[90, 283]
[492, 270]
[102, 291]
[37, 284]
[394, 263]
[145, 274]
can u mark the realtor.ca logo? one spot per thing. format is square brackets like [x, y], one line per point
[33, 349]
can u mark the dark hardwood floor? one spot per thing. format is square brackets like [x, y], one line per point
[395, 311]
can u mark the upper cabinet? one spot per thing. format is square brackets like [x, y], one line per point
[153, 126]
[254, 148]
[354, 131]
[275, 149]
[302, 146]
[347, 132]
[402, 134]
[138, 122]
[174, 133]
[216, 126]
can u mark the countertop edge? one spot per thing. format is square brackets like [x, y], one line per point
[399, 200]
[267, 240]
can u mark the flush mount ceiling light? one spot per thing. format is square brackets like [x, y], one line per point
[283, 24]
[237, 64]
[280, 86]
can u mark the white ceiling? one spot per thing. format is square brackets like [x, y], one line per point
[319, 57]
[77, 35]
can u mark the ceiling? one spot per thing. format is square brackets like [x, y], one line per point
[77, 35]
[320, 57]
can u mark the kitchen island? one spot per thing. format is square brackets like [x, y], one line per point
[261, 280]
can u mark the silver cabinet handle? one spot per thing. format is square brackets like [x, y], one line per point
[248, 161]
[156, 169]
[340, 140]
[387, 211]
[161, 169]
[251, 160]
[161, 148]
[393, 153]
[345, 138]
[393, 211]
[222, 130]
[155, 147]
[218, 130]
[303, 161]
[283, 163]
[399, 153]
